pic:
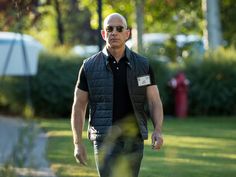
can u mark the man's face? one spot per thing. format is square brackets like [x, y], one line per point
[114, 33]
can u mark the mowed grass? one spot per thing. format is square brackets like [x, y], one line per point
[194, 147]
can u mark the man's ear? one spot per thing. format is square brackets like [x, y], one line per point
[103, 34]
[127, 34]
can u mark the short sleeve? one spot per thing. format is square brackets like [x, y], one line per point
[82, 80]
[152, 76]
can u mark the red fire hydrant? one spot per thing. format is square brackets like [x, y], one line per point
[180, 85]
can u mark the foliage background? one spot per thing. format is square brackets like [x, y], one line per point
[212, 89]
[67, 23]
[56, 22]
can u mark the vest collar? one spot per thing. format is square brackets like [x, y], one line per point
[128, 56]
[127, 53]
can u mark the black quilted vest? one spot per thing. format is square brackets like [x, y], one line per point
[100, 82]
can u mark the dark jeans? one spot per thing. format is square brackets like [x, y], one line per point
[119, 157]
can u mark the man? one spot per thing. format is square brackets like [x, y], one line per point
[116, 83]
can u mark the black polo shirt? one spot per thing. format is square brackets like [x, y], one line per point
[122, 105]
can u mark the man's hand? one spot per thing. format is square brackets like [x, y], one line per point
[80, 154]
[157, 140]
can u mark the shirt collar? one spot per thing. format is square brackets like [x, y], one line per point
[127, 55]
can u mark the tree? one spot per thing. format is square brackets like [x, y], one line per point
[139, 23]
[173, 16]
[76, 21]
[228, 18]
[212, 33]
[60, 27]
[17, 15]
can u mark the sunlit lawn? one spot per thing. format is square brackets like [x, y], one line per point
[195, 147]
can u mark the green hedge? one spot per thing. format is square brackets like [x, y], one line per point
[12, 91]
[51, 89]
[53, 86]
[212, 89]
[163, 74]
[213, 84]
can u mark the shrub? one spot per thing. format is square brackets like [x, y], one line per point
[213, 90]
[51, 90]
[53, 86]
[163, 74]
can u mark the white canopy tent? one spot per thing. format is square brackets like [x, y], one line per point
[18, 54]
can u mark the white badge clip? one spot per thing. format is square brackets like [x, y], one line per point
[144, 80]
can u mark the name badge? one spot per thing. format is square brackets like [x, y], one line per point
[144, 80]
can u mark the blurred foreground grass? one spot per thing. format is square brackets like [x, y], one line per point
[193, 147]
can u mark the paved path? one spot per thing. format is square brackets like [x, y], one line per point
[35, 164]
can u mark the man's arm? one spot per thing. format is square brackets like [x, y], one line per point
[156, 111]
[77, 124]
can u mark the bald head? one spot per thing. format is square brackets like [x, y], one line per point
[114, 16]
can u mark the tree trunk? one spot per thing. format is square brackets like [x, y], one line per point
[99, 9]
[60, 28]
[212, 31]
[139, 24]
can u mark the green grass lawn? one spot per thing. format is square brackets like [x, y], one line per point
[195, 147]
